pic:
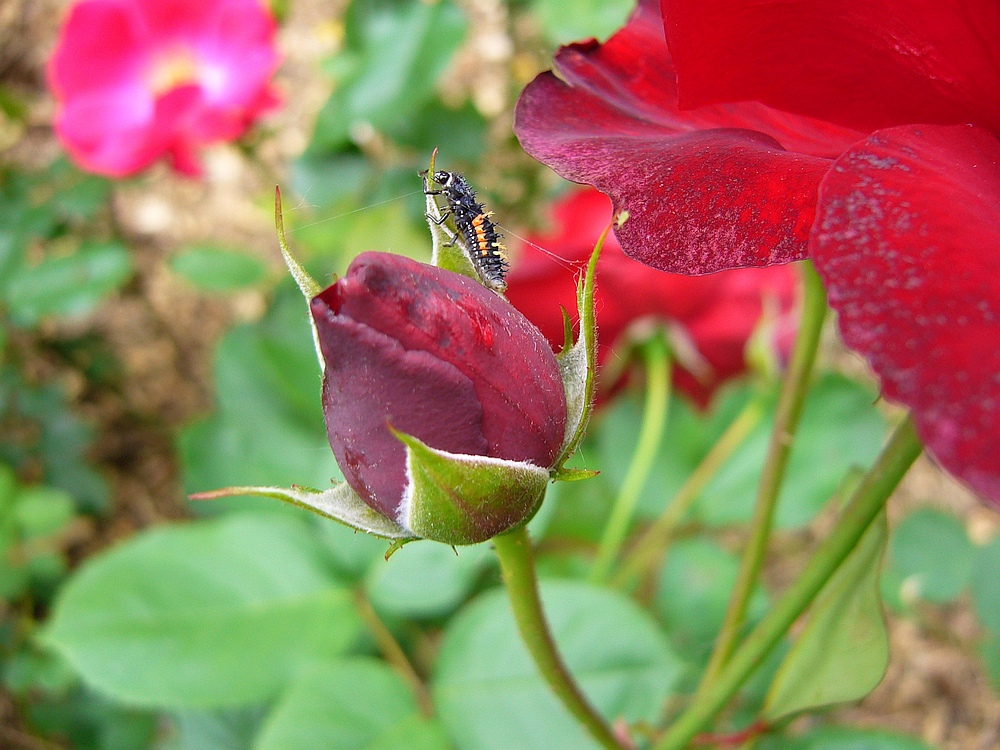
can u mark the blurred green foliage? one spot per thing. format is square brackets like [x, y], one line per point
[214, 269]
[48, 263]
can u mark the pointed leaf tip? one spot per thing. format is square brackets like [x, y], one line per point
[306, 283]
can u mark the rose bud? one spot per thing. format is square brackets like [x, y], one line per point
[444, 406]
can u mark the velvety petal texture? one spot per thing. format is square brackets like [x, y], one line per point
[905, 233]
[137, 80]
[703, 191]
[435, 355]
[865, 65]
[714, 315]
[908, 244]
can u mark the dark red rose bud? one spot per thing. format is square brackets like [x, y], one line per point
[435, 355]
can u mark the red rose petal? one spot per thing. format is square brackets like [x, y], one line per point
[633, 74]
[371, 382]
[699, 200]
[866, 65]
[458, 320]
[907, 241]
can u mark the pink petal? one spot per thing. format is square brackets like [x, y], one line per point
[237, 53]
[862, 64]
[169, 21]
[908, 243]
[108, 61]
[110, 132]
[102, 44]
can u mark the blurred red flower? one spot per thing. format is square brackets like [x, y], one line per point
[698, 118]
[139, 79]
[715, 315]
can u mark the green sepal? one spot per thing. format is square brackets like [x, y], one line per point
[573, 475]
[306, 283]
[842, 652]
[460, 499]
[447, 252]
[567, 330]
[340, 502]
[578, 363]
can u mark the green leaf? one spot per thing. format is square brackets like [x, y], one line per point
[40, 511]
[354, 704]
[426, 580]
[394, 53]
[840, 428]
[83, 720]
[688, 437]
[565, 21]
[985, 591]
[932, 554]
[490, 696]
[40, 671]
[202, 615]
[989, 650]
[67, 285]
[55, 438]
[218, 270]
[580, 509]
[351, 553]
[414, 733]
[327, 179]
[842, 652]
[80, 195]
[844, 738]
[222, 729]
[8, 490]
[461, 132]
[339, 234]
[460, 499]
[693, 593]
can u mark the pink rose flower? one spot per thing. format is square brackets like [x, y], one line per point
[139, 79]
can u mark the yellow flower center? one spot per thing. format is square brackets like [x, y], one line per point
[177, 68]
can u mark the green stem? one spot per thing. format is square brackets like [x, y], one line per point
[866, 503]
[394, 653]
[518, 566]
[786, 419]
[652, 545]
[656, 357]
